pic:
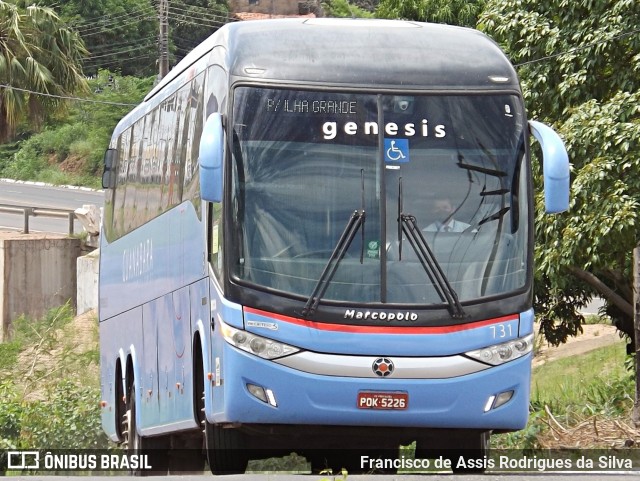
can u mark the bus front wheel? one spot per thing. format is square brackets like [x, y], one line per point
[471, 454]
[226, 450]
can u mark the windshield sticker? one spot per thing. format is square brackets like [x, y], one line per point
[396, 150]
[373, 249]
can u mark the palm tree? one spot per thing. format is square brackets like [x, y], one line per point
[38, 53]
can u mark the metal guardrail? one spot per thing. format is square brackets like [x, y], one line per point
[28, 211]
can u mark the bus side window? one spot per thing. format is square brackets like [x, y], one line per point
[191, 174]
[215, 238]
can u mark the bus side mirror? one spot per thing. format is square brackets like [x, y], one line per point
[555, 167]
[109, 174]
[210, 158]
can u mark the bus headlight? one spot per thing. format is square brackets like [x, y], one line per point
[253, 344]
[505, 352]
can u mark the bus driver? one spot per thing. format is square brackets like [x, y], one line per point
[444, 210]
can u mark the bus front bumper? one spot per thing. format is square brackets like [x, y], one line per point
[251, 390]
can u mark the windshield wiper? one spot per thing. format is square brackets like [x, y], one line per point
[431, 265]
[482, 170]
[356, 222]
[408, 224]
[495, 216]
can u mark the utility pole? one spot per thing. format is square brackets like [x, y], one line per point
[163, 43]
[636, 324]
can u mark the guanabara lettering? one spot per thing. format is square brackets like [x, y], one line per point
[381, 316]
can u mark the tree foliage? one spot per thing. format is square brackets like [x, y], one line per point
[38, 53]
[579, 63]
[120, 35]
[192, 21]
[123, 35]
[453, 12]
[71, 150]
[344, 9]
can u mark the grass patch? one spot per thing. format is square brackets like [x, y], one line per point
[575, 392]
[8, 357]
[587, 382]
[591, 319]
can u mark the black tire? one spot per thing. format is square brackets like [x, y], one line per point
[470, 457]
[225, 448]
[336, 460]
[187, 454]
[465, 450]
[155, 449]
[226, 451]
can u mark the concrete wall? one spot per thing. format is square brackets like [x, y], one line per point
[87, 275]
[38, 273]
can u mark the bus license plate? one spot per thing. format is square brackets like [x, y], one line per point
[383, 400]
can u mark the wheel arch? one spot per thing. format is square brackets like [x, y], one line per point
[120, 400]
[131, 376]
[201, 369]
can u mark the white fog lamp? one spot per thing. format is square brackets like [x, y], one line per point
[264, 395]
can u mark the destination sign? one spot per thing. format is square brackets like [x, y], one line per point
[305, 106]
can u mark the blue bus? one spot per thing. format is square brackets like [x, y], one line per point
[318, 236]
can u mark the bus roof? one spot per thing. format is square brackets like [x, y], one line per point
[380, 53]
[358, 52]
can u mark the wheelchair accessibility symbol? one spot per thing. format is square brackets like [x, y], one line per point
[396, 150]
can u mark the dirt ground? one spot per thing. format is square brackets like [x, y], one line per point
[593, 337]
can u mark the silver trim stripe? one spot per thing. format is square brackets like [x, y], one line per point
[360, 366]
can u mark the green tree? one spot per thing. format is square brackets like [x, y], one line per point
[344, 9]
[120, 35]
[192, 21]
[579, 63]
[38, 53]
[454, 12]
[71, 151]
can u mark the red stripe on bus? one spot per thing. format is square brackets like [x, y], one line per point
[380, 329]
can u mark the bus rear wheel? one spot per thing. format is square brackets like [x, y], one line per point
[155, 449]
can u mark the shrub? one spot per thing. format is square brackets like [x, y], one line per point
[68, 419]
[49, 393]
[82, 136]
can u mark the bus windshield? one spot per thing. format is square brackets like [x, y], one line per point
[442, 171]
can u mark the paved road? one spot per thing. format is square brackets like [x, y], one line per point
[593, 307]
[315, 477]
[40, 195]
